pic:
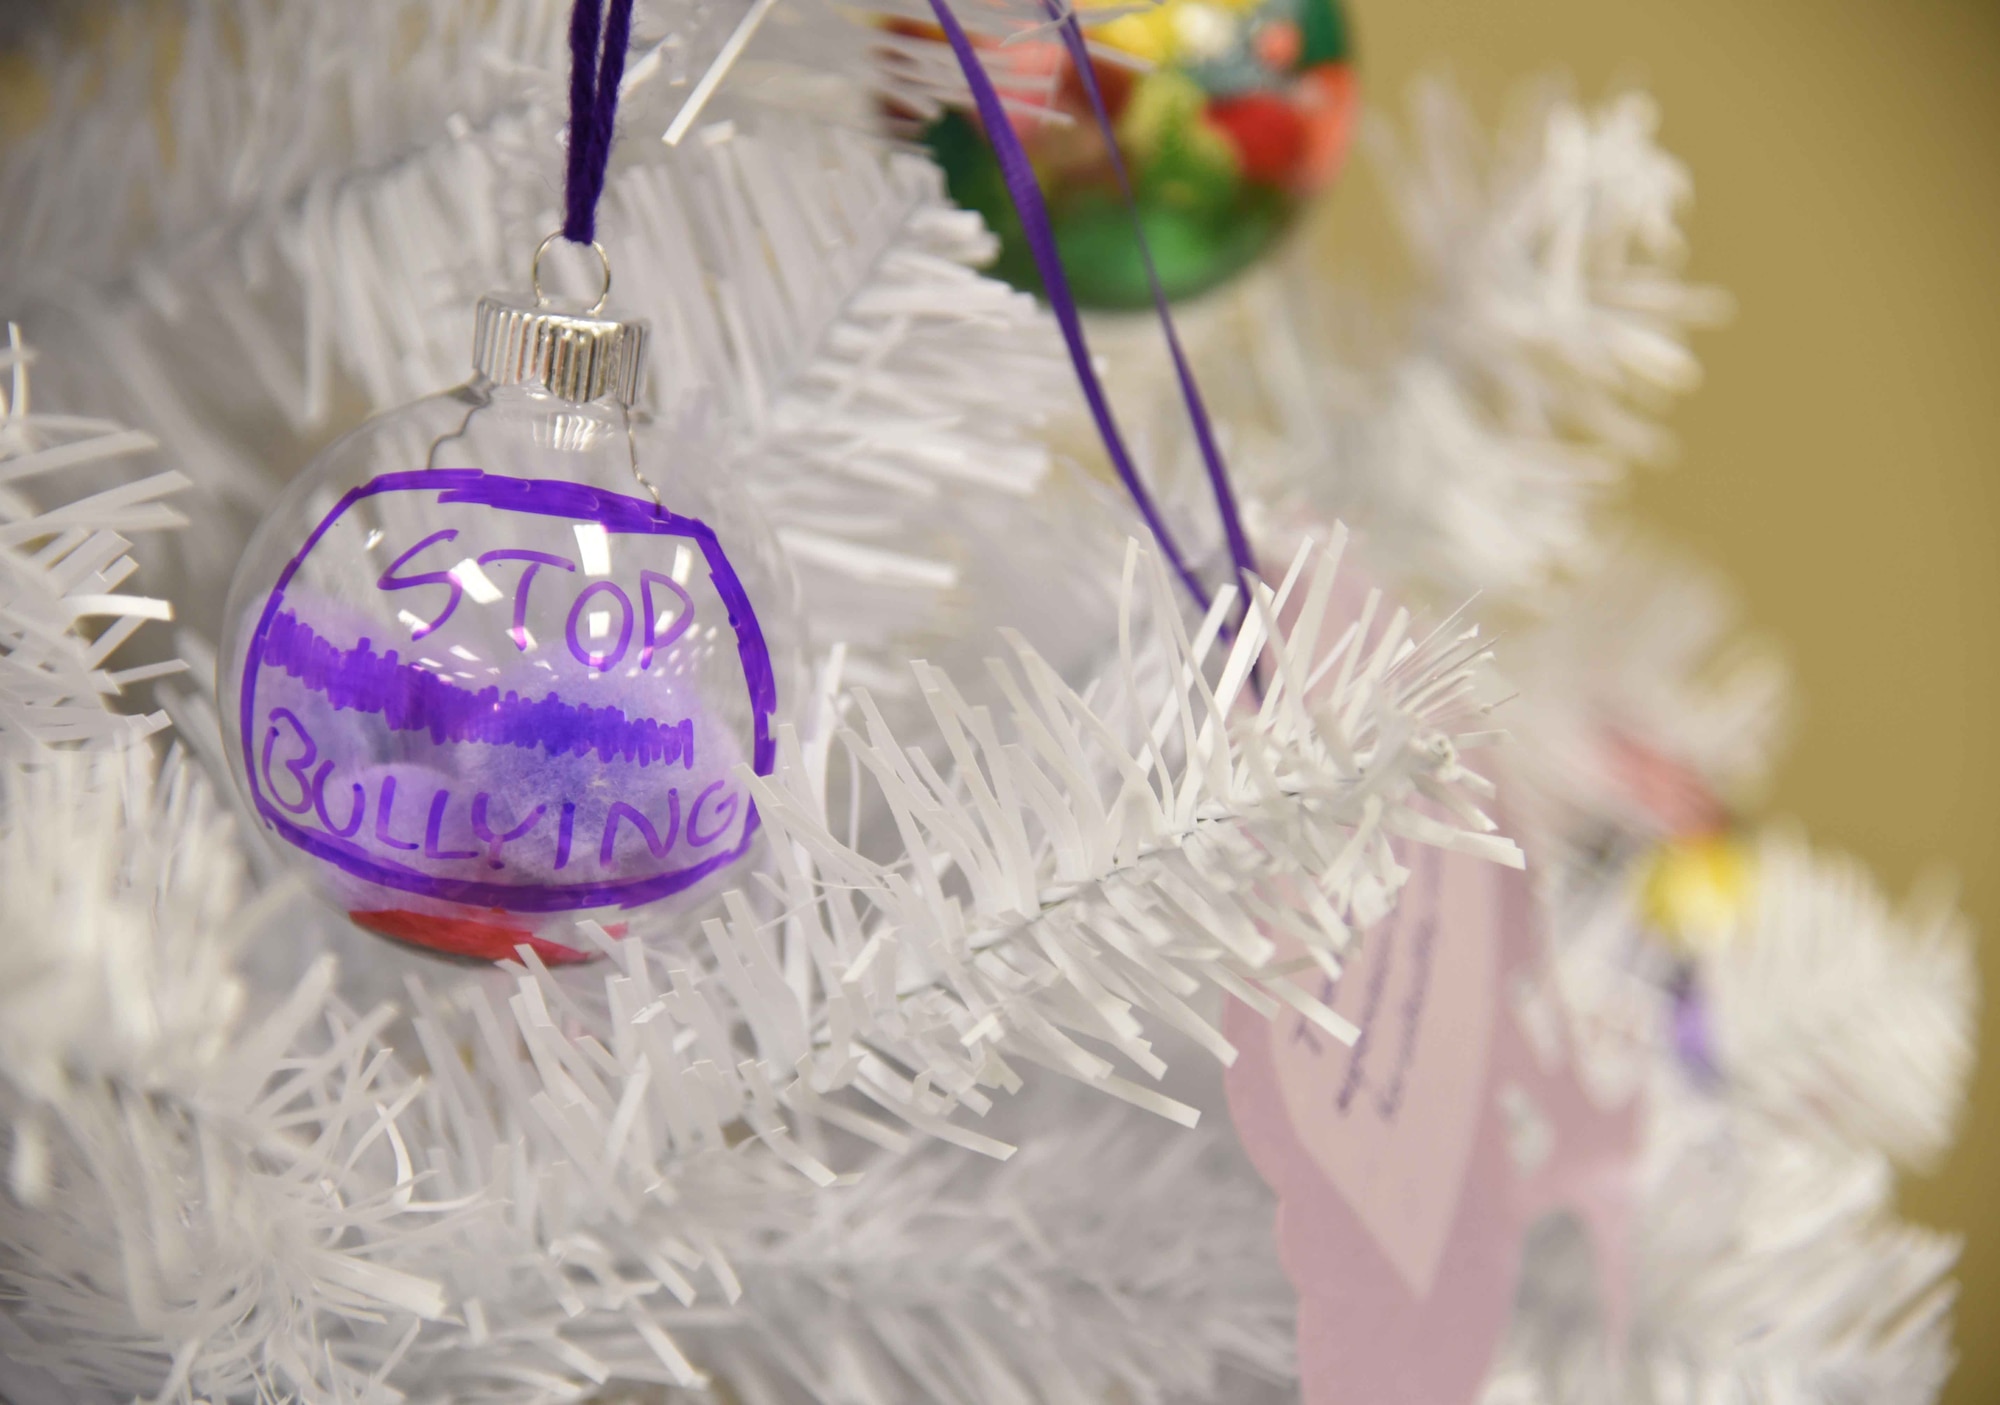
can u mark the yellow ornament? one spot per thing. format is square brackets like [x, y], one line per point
[1696, 888]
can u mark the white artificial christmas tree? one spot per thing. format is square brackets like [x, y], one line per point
[928, 1107]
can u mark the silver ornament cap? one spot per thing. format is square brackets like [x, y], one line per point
[576, 353]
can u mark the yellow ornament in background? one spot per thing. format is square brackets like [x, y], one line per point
[1697, 887]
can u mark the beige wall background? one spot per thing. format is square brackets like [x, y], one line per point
[1842, 460]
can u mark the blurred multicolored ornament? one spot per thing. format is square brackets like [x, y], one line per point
[1245, 114]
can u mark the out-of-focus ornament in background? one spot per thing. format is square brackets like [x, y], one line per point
[1697, 887]
[1234, 115]
[496, 659]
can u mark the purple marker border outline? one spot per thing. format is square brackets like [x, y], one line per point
[546, 497]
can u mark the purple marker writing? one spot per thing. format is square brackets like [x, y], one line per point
[539, 703]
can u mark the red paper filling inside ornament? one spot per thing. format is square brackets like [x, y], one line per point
[465, 936]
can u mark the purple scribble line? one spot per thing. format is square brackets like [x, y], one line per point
[409, 698]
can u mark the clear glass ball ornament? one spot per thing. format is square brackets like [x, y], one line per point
[498, 660]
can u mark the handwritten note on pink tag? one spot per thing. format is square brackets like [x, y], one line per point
[1394, 1133]
[1410, 1166]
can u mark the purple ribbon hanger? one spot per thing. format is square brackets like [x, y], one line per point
[1026, 193]
[1204, 431]
[595, 71]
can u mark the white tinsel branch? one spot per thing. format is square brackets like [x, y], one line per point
[1096, 862]
[1835, 1040]
[947, 1278]
[1775, 1268]
[62, 616]
[202, 1185]
[1551, 316]
[935, 1276]
[1838, 1014]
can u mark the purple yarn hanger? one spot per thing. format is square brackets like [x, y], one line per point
[1026, 193]
[1240, 554]
[593, 107]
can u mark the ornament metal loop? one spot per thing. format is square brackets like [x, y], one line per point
[535, 272]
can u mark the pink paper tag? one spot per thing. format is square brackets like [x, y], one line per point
[1409, 1167]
